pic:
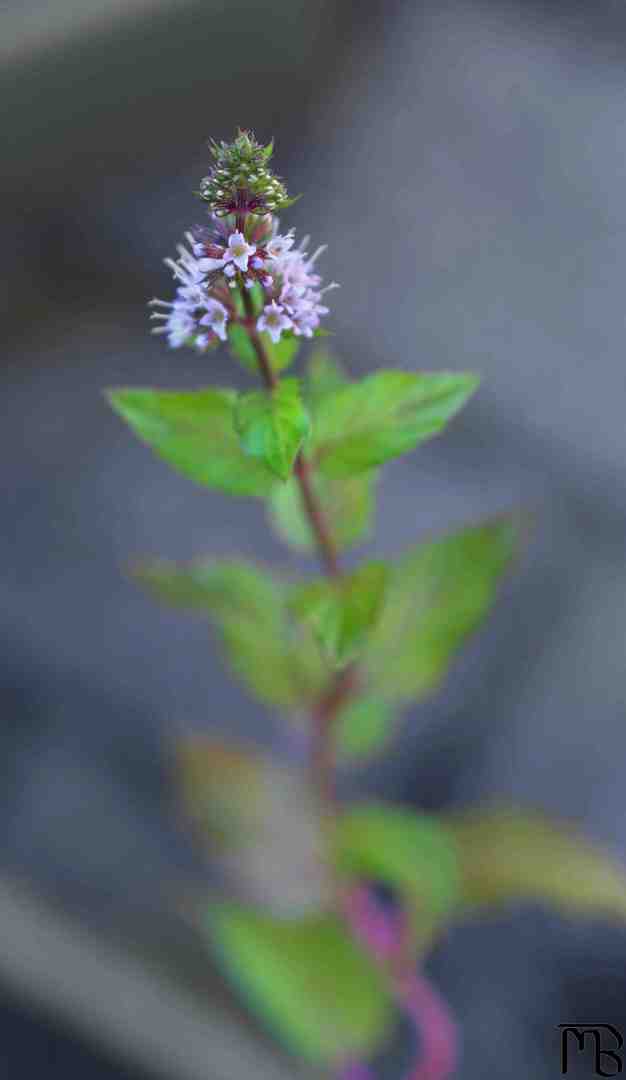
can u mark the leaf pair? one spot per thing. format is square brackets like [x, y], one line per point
[403, 622]
[245, 444]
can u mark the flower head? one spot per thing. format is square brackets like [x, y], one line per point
[241, 246]
[216, 317]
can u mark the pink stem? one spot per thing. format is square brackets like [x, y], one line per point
[432, 1018]
[356, 1070]
[383, 935]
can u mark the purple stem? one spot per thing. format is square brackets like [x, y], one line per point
[356, 1070]
[382, 933]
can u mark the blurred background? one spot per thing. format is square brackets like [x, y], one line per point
[465, 160]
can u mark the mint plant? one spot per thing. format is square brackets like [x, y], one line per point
[325, 957]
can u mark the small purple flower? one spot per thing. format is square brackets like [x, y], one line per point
[179, 323]
[216, 317]
[300, 292]
[280, 245]
[238, 250]
[274, 320]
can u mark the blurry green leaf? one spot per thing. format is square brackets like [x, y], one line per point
[436, 596]
[272, 425]
[509, 855]
[307, 979]
[386, 414]
[342, 612]
[347, 502]
[193, 431]
[324, 376]
[410, 852]
[260, 823]
[284, 352]
[362, 728]
[279, 663]
[241, 347]
[280, 355]
[257, 295]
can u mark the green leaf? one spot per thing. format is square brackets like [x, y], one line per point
[280, 355]
[283, 353]
[509, 855]
[309, 981]
[347, 502]
[272, 425]
[362, 727]
[279, 662]
[386, 414]
[437, 595]
[342, 612]
[260, 824]
[241, 347]
[323, 377]
[193, 432]
[410, 852]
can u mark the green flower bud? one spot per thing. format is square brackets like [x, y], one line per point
[240, 181]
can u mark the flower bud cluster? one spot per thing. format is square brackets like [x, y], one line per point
[241, 181]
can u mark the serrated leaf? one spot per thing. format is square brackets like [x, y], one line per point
[280, 355]
[362, 727]
[510, 855]
[279, 662]
[193, 431]
[342, 612]
[437, 595]
[386, 414]
[260, 824]
[272, 425]
[412, 853]
[310, 982]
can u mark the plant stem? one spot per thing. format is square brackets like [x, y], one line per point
[302, 468]
[326, 710]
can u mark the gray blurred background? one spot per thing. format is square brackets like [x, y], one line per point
[466, 163]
